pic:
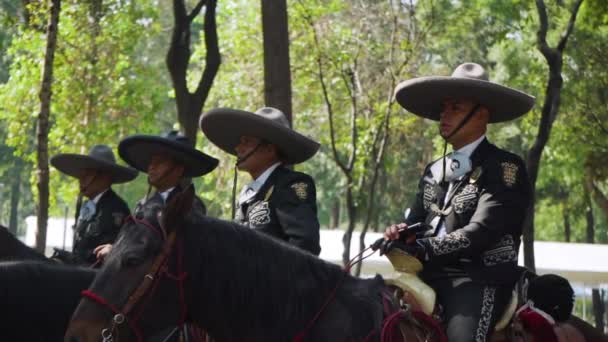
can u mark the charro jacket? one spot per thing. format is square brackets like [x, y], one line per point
[483, 216]
[100, 228]
[285, 207]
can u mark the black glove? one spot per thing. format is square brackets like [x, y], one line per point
[415, 249]
[63, 256]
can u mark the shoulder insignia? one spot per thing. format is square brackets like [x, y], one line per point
[475, 175]
[118, 218]
[509, 173]
[301, 190]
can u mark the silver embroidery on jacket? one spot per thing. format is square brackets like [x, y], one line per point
[502, 252]
[486, 314]
[466, 200]
[449, 243]
[259, 214]
[429, 196]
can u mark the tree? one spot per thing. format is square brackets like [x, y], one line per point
[357, 77]
[554, 57]
[189, 105]
[43, 124]
[277, 72]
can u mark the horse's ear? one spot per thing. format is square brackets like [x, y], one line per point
[177, 209]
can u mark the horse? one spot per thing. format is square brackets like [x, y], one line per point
[236, 284]
[12, 248]
[37, 299]
[233, 282]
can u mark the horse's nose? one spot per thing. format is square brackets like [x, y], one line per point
[74, 339]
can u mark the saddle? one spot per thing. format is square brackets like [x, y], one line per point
[414, 292]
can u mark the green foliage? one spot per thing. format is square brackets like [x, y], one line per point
[104, 87]
[111, 81]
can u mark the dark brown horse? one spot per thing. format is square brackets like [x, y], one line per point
[38, 298]
[13, 249]
[238, 285]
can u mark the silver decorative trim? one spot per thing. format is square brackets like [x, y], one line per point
[449, 243]
[486, 314]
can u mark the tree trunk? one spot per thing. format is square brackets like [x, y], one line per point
[598, 309]
[567, 227]
[13, 223]
[277, 73]
[43, 125]
[554, 57]
[596, 298]
[334, 218]
[351, 211]
[190, 105]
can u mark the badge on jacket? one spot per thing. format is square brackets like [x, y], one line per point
[509, 173]
[301, 190]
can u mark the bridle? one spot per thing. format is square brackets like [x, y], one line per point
[146, 288]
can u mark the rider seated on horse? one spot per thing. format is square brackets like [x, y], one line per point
[278, 201]
[168, 160]
[473, 199]
[99, 218]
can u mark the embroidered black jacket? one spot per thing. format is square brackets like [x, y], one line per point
[483, 216]
[285, 207]
[101, 228]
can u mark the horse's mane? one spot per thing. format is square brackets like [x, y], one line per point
[12, 248]
[37, 298]
[257, 278]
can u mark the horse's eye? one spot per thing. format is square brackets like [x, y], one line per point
[131, 261]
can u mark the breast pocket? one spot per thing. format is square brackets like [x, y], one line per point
[466, 201]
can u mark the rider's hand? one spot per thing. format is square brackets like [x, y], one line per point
[393, 232]
[102, 250]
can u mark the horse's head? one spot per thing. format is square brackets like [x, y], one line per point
[139, 290]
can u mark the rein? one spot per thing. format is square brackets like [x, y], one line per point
[148, 285]
[332, 295]
[392, 316]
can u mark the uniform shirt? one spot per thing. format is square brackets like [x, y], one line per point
[284, 207]
[99, 226]
[467, 151]
[165, 194]
[253, 187]
[483, 217]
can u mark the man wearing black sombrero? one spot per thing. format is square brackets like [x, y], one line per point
[473, 200]
[279, 201]
[168, 160]
[100, 217]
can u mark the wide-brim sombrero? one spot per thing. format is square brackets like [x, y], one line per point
[225, 126]
[423, 96]
[100, 158]
[138, 150]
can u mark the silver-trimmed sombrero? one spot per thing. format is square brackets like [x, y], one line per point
[422, 96]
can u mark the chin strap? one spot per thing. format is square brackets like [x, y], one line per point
[234, 181]
[460, 125]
